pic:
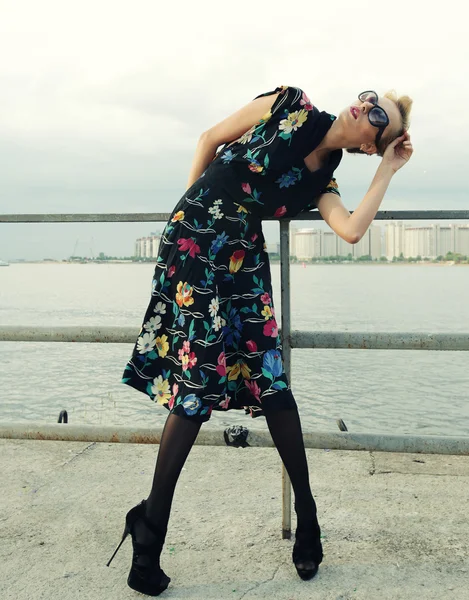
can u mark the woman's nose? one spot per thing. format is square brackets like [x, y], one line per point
[366, 107]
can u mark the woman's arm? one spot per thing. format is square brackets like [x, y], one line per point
[227, 130]
[204, 154]
[352, 227]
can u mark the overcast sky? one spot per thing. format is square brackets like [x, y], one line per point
[102, 101]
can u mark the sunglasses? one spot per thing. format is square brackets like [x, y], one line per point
[377, 116]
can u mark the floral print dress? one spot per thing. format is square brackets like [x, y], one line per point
[209, 338]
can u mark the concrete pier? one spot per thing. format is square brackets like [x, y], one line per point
[394, 525]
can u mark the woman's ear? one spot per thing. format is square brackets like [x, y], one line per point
[368, 148]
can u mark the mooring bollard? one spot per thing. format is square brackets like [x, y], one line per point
[341, 425]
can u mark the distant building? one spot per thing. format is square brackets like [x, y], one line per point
[427, 241]
[419, 241]
[314, 243]
[343, 247]
[147, 247]
[461, 240]
[445, 239]
[306, 243]
[394, 239]
[329, 244]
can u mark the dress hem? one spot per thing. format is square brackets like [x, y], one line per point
[254, 410]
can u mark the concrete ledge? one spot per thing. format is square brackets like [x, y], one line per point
[380, 442]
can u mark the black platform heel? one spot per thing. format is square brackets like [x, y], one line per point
[307, 549]
[146, 576]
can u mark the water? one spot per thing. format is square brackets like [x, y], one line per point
[386, 390]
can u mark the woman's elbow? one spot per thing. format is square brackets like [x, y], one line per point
[209, 138]
[352, 238]
[205, 137]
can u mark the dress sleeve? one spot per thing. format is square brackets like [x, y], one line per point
[279, 138]
[290, 99]
[331, 188]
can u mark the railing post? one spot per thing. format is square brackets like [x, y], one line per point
[286, 343]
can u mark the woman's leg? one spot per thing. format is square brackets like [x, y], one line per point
[178, 437]
[285, 428]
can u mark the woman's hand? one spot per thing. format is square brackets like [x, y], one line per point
[398, 152]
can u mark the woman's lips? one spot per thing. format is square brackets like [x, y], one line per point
[354, 110]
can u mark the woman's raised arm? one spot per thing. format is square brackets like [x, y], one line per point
[231, 128]
[352, 227]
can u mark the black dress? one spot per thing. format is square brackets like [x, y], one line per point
[209, 339]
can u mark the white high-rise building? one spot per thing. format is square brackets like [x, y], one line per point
[461, 241]
[147, 247]
[362, 248]
[343, 247]
[375, 241]
[155, 244]
[307, 243]
[394, 237]
[419, 241]
[444, 239]
[140, 247]
[329, 244]
[369, 245]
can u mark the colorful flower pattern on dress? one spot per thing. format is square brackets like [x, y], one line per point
[209, 339]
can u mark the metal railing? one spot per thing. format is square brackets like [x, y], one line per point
[290, 339]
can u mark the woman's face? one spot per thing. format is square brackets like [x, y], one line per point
[358, 130]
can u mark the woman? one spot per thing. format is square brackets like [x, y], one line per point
[209, 339]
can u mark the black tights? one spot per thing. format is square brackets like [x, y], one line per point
[179, 435]
[285, 429]
[177, 439]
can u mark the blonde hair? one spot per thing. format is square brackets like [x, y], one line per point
[404, 105]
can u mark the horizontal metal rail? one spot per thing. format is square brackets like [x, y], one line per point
[379, 442]
[383, 215]
[380, 340]
[299, 339]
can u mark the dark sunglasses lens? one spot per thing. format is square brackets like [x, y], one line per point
[368, 97]
[377, 117]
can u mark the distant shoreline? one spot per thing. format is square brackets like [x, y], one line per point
[272, 262]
